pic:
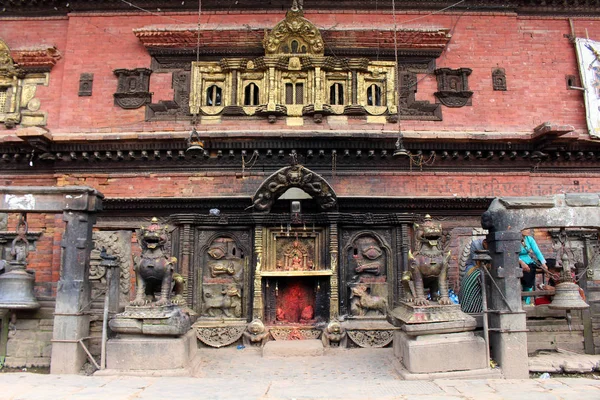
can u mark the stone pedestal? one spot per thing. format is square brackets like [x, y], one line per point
[437, 339]
[425, 354]
[150, 353]
[151, 320]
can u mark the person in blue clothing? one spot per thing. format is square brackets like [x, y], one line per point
[530, 259]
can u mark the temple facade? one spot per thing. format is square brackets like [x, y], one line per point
[290, 151]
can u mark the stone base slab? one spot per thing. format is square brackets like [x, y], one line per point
[485, 373]
[147, 353]
[293, 348]
[432, 319]
[428, 354]
[169, 320]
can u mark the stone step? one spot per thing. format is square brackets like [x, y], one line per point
[293, 348]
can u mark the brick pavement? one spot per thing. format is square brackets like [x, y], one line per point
[230, 374]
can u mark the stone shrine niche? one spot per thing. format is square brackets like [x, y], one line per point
[367, 260]
[224, 265]
[499, 79]
[132, 88]
[453, 87]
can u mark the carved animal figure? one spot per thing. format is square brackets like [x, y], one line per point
[153, 269]
[429, 264]
[229, 304]
[334, 335]
[255, 334]
[361, 302]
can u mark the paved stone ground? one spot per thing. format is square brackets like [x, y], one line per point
[231, 374]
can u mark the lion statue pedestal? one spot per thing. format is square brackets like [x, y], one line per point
[435, 336]
[154, 332]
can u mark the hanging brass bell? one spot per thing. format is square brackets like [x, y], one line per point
[567, 297]
[16, 288]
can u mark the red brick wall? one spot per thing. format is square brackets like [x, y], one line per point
[533, 51]
[371, 184]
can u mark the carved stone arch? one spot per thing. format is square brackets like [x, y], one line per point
[294, 35]
[224, 234]
[299, 177]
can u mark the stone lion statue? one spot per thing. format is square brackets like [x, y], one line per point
[429, 264]
[153, 269]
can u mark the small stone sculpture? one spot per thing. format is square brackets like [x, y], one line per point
[362, 302]
[428, 264]
[153, 269]
[256, 334]
[334, 335]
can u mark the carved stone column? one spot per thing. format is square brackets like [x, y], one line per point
[257, 307]
[507, 320]
[318, 91]
[185, 238]
[354, 87]
[272, 89]
[334, 303]
[71, 324]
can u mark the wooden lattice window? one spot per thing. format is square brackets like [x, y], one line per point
[374, 95]
[336, 94]
[213, 96]
[294, 93]
[251, 95]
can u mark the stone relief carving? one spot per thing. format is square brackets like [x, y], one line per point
[294, 333]
[371, 338]
[429, 264]
[363, 303]
[118, 244]
[132, 88]
[222, 301]
[453, 87]
[296, 257]
[219, 336]
[369, 259]
[86, 82]
[499, 79]
[295, 176]
[223, 278]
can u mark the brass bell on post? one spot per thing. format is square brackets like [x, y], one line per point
[566, 295]
[16, 284]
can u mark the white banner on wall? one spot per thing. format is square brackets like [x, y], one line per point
[588, 54]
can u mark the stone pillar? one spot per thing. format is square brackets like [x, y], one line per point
[334, 301]
[507, 320]
[71, 323]
[354, 87]
[257, 304]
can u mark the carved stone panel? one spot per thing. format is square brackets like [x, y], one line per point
[132, 88]
[366, 263]
[86, 82]
[499, 79]
[223, 274]
[453, 87]
[118, 244]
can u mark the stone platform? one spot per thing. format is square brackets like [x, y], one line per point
[438, 353]
[293, 348]
[430, 319]
[151, 353]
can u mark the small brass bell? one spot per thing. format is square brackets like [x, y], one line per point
[195, 145]
[566, 295]
[16, 285]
